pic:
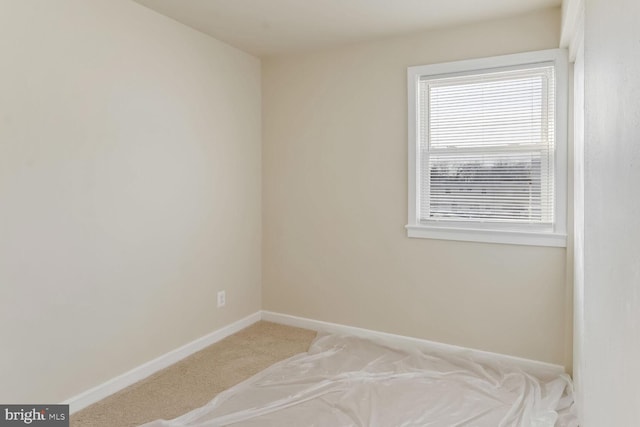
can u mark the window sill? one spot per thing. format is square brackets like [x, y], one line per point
[508, 237]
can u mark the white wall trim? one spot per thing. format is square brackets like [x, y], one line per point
[488, 236]
[120, 382]
[141, 372]
[572, 26]
[541, 369]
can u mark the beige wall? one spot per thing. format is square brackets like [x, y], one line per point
[129, 191]
[335, 203]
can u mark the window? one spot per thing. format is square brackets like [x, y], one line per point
[487, 149]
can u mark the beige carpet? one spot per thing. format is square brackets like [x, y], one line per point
[195, 380]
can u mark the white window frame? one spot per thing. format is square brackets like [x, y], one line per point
[478, 231]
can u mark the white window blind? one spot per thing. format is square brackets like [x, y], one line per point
[486, 144]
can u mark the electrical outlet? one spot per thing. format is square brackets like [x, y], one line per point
[222, 299]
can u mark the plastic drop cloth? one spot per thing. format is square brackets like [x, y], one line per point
[348, 381]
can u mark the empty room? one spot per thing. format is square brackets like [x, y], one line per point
[323, 213]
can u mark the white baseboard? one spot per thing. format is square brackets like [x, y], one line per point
[540, 369]
[120, 382]
[95, 394]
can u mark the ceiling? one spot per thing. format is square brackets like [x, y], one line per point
[268, 27]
